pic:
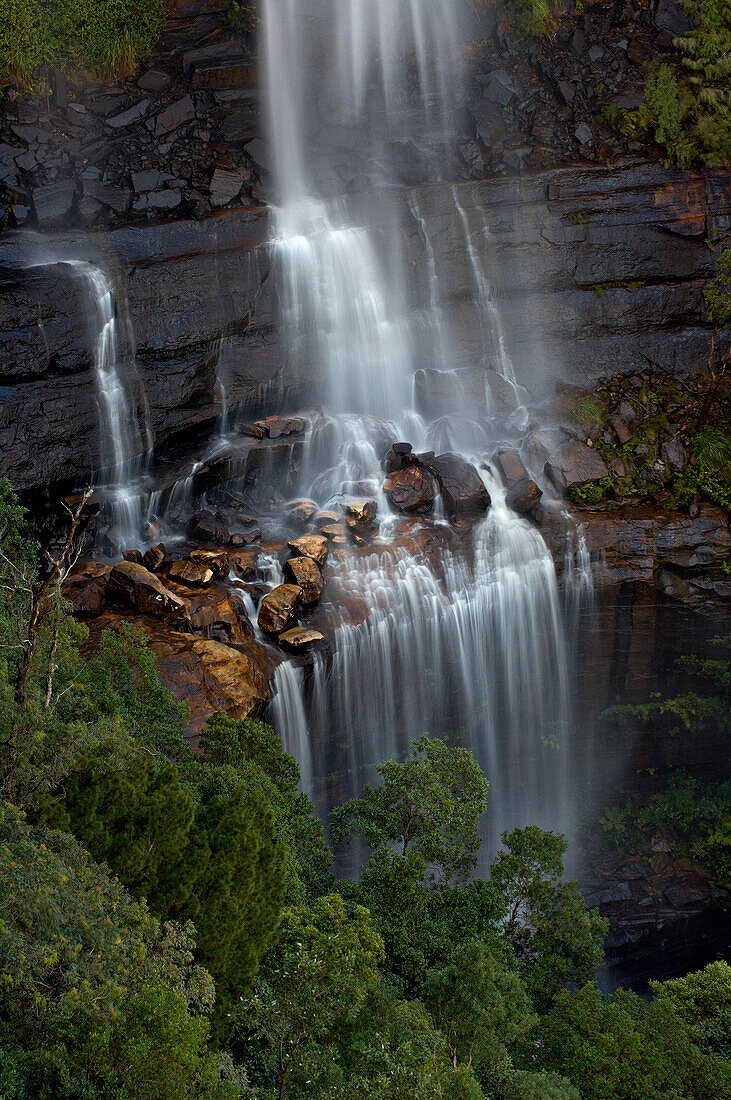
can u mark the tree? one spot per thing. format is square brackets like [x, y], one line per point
[555, 939]
[429, 804]
[703, 1001]
[625, 1048]
[241, 744]
[97, 999]
[480, 1006]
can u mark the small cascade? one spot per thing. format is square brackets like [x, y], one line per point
[123, 446]
[288, 714]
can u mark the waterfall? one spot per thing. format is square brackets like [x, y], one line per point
[465, 642]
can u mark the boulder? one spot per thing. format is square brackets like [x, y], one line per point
[144, 591]
[412, 490]
[205, 526]
[524, 496]
[360, 519]
[310, 546]
[244, 565]
[300, 638]
[305, 573]
[621, 430]
[133, 555]
[53, 203]
[177, 114]
[85, 594]
[210, 676]
[463, 490]
[574, 464]
[326, 519]
[300, 511]
[154, 558]
[541, 444]
[333, 531]
[192, 573]
[509, 466]
[215, 560]
[278, 608]
[398, 458]
[674, 455]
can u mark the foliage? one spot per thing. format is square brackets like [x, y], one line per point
[431, 804]
[102, 37]
[695, 817]
[241, 17]
[96, 998]
[593, 492]
[665, 114]
[687, 110]
[717, 293]
[556, 940]
[624, 1048]
[532, 18]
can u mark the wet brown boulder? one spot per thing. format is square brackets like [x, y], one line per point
[210, 676]
[192, 573]
[300, 511]
[398, 458]
[206, 526]
[140, 588]
[574, 464]
[509, 466]
[310, 546]
[333, 531]
[360, 520]
[154, 558]
[85, 592]
[305, 573]
[412, 490]
[133, 555]
[244, 565]
[215, 560]
[463, 490]
[300, 638]
[278, 608]
[325, 519]
[524, 496]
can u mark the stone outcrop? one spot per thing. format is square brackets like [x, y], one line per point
[305, 573]
[411, 490]
[141, 589]
[278, 608]
[574, 464]
[460, 485]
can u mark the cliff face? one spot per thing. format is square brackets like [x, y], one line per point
[596, 270]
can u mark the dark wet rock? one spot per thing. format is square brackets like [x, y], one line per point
[574, 464]
[85, 594]
[326, 519]
[278, 608]
[154, 558]
[398, 458]
[115, 198]
[133, 555]
[305, 573]
[462, 489]
[412, 490]
[622, 432]
[674, 454]
[277, 426]
[53, 203]
[140, 588]
[300, 638]
[300, 511]
[360, 519]
[174, 116]
[215, 560]
[244, 565]
[310, 546]
[225, 185]
[509, 466]
[155, 81]
[524, 496]
[205, 526]
[131, 115]
[192, 573]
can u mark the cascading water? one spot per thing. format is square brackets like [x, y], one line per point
[466, 641]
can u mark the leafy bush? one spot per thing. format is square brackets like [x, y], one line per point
[102, 37]
[665, 113]
[532, 18]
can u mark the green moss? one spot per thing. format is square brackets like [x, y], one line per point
[593, 492]
[100, 37]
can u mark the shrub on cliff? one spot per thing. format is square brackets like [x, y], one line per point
[101, 37]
